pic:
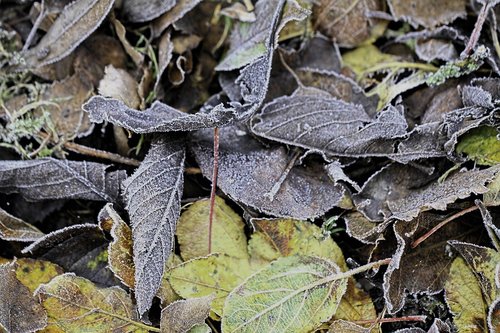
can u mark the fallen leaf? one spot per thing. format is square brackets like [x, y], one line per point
[228, 235]
[292, 294]
[20, 311]
[153, 194]
[427, 13]
[166, 293]
[15, 229]
[146, 10]
[32, 272]
[179, 10]
[50, 178]
[165, 49]
[480, 145]
[119, 84]
[494, 316]
[183, 315]
[136, 56]
[75, 304]
[345, 326]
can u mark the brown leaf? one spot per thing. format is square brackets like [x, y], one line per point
[15, 229]
[428, 13]
[170, 17]
[181, 316]
[146, 10]
[119, 84]
[136, 56]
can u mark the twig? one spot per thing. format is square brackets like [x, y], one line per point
[84, 150]
[214, 187]
[37, 23]
[391, 320]
[442, 224]
[474, 37]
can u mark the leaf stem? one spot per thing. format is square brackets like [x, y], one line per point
[214, 188]
[474, 37]
[429, 233]
[401, 64]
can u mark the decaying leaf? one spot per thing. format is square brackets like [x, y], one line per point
[19, 312]
[157, 118]
[292, 294]
[179, 10]
[153, 195]
[75, 23]
[494, 316]
[75, 304]
[120, 256]
[228, 235]
[215, 274]
[146, 10]
[51, 178]
[427, 13]
[15, 229]
[463, 295]
[345, 326]
[136, 56]
[248, 172]
[181, 316]
[119, 84]
[166, 47]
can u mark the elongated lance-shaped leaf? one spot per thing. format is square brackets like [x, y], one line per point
[76, 22]
[15, 229]
[146, 10]
[50, 178]
[153, 196]
[158, 118]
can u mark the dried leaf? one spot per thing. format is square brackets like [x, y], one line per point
[292, 294]
[15, 229]
[170, 17]
[361, 228]
[75, 304]
[239, 12]
[50, 178]
[494, 316]
[165, 49]
[120, 256]
[136, 56]
[249, 41]
[345, 327]
[158, 118]
[427, 13]
[119, 84]
[20, 312]
[481, 145]
[153, 194]
[305, 193]
[146, 10]
[216, 273]
[181, 316]
[464, 298]
[435, 49]
[228, 235]
[75, 23]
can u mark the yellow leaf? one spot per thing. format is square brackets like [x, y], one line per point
[166, 293]
[463, 295]
[228, 235]
[481, 145]
[362, 59]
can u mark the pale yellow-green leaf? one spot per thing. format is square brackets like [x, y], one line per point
[492, 197]
[463, 295]
[228, 235]
[216, 273]
[480, 145]
[75, 304]
[494, 316]
[182, 315]
[364, 58]
[292, 294]
[166, 293]
[201, 328]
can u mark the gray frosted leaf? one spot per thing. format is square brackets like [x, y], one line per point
[77, 249]
[428, 13]
[50, 178]
[438, 195]
[153, 196]
[170, 17]
[180, 316]
[20, 311]
[15, 229]
[336, 174]
[146, 10]
[75, 23]
[330, 126]
[158, 118]
[248, 172]
[493, 230]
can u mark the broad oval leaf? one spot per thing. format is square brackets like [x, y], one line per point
[427, 13]
[75, 304]
[292, 294]
[75, 23]
[182, 315]
[153, 196]
[15, 229]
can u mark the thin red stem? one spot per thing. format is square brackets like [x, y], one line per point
[390, 320]
[214, 188]
[474, 37]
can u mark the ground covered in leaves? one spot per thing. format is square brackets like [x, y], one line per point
[249, 166]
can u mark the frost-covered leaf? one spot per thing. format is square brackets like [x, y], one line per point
[435, 49]
[153, 196]
[157, 118]
[15, 229]
[427, 13]
[75, 23]
[250, 41]
[248, 172]
[481, 145]
[179, 10]
[75, 304]
[463, 295]
[216, 273]
[50, 178]
[79, 248]
[181, 316]
[494, 316]
[165, 49]
[363, 58]
[146, 10]
[330, 126]
[228, 234]
[118, 83]
[292, 294]
[120, 256]
[20, 312]
[363, 229]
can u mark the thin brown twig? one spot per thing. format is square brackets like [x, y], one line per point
[214, 187]
[429, 233]
[84, 150]
[474, 37]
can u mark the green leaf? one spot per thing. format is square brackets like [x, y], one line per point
[362, 59]
[463, 295]
[481, 145]
[292, 294]
[228, 235]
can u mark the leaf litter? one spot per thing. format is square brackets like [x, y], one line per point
[353, 149]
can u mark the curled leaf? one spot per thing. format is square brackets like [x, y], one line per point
[15, 229]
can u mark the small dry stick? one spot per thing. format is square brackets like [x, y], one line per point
[442, 224]
[84, 150]
[214, 188]
[474, 37]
